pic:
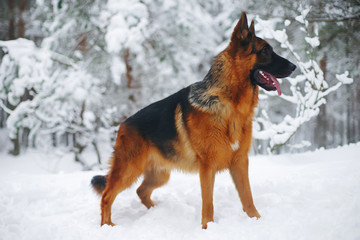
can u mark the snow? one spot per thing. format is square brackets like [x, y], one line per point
[344, 78]
[313, 195]
[287, 22]
[302, 18]
[314, 41]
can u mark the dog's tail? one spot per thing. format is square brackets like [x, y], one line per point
[98, 183]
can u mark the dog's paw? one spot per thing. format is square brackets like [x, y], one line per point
[108, 223]
[204, 222]
[252, 213]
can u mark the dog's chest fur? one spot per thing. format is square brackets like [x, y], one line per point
[222, 125]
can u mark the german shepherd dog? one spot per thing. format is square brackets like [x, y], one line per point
[205, 128]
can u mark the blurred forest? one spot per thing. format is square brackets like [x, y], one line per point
[77, 69]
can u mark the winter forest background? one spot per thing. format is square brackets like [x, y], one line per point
[72, 71]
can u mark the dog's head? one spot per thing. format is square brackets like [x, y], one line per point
[257, 58]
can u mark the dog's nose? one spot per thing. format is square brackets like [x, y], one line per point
[292, 66]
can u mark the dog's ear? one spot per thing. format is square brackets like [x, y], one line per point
[242, 32]
[252, 28]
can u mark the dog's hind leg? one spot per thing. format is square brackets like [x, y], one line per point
[128, 162]
[119, 179]
[153, 178]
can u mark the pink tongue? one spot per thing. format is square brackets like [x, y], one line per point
[277, 85]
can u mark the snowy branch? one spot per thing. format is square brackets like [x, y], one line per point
[6, 109]
[308, 89]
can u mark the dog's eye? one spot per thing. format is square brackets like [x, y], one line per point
[265, 51]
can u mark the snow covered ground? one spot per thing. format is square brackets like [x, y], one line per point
[314, 195]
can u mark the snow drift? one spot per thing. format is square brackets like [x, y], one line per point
[303, 196]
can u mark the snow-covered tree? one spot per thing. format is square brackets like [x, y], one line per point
[100, 61]
[61, 99]
[308, 89]
[167, 44]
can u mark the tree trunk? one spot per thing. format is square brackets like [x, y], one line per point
[129, 77]
[321, 120]
[97, 151]
[82, 43]
[3, 116]
[21, 23]
[16, 144]
[11, 29]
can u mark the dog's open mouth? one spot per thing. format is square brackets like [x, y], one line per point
[267, 81]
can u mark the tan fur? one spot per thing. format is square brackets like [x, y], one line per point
[203, 145]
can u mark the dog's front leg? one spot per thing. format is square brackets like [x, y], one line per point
[240, 175]
[207, 177]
